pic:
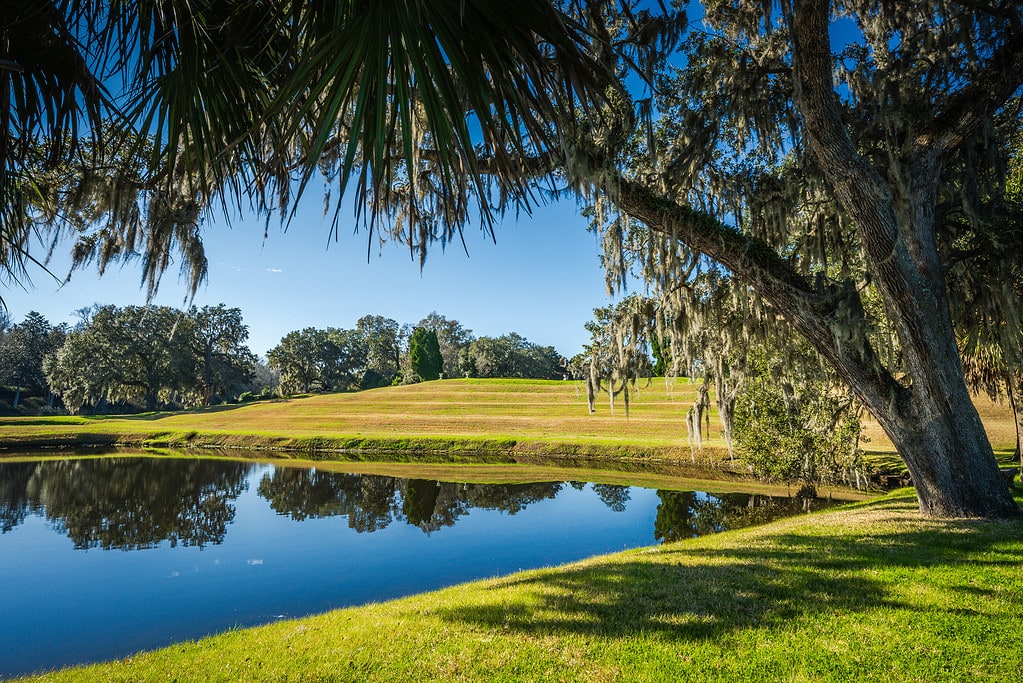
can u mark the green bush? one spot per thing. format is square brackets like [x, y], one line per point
[790, 431]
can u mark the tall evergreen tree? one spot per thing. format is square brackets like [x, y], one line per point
[424, 354]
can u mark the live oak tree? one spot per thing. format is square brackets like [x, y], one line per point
[149, 354]
[814, 176]
[295, 357]
[510, 355]
[383, 346]
[813, 192]
[223, 362]
[330, 359]
[123, 354]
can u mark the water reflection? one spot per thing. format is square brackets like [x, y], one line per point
[126, 504]
[687, 514]
[136, 503]
[372, 502]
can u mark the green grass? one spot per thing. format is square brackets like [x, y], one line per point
[520, 417]
[868, 592]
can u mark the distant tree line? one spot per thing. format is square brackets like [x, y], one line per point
[380, 352]
[132, 358]
[125, 359]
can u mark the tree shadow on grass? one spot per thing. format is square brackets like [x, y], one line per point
[696, 594]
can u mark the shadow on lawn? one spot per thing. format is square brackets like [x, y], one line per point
[738, 588]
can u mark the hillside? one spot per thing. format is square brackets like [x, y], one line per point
[520, 416]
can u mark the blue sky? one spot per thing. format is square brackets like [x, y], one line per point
[541, 279]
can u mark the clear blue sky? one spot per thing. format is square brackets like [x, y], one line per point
[541, 279]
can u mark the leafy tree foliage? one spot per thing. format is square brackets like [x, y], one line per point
[821, 180]
[806, 432]
[383, 347]
[987, 300]
[151, 354]
[245, 98]
[511, 355]
[295, 357]
[424, 354]
[342, 359]
[330, 359]
[224, 362]
[22, 350]
[133, 353]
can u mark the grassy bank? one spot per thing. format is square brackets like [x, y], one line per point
[868, 592]
[517, 417]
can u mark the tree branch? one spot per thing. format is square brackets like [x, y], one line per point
[858, 187]
[991, 86]
[829, 315]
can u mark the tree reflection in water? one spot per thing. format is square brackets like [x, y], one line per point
[687, 514]
[14, 502]
[372, 502]
[135, 503]
[126, 503]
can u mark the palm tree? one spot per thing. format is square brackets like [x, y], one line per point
[125, 122]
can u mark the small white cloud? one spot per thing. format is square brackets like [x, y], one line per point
[253, 562]
[174, 574]
[274, 270]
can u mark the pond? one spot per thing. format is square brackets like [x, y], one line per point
[102, 557]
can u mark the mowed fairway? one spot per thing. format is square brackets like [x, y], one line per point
[547, 415]
[526, 416]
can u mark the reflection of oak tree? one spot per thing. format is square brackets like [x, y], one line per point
[510, 498]
[367, 501]
[741, 509]
[685, 514]
[14, 503]
[119, 503]
[372, 502]
[675, 516]
[612, 495]
[376, 504]
[303, 494]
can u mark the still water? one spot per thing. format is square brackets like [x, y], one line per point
[100, 558]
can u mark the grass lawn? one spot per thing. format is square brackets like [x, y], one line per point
[870, 591]
[510, 416]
